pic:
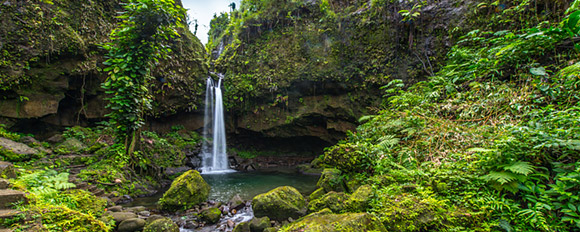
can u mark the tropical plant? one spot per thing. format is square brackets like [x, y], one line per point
[142, 36]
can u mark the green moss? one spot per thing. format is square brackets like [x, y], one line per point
[348, 222]
[360, 199]
[186, 191]
[279, 204]
[161, 225]
[211, 215]
[331, 180]
[319, 192]
[348, 157]
[334, 201]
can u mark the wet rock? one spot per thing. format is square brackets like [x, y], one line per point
[331, 180]
[236, 202]
[116, 208]
[186, 191]
[259, 224]
[144, 213]
[154, 217]
[211, 215]
[242, 227]
[230, 223]
[119, 217]
[132, 224]
[135, 209]
[279, 204]
[161, 225]
[328, 222]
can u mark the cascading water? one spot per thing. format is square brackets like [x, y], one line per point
[215, 158]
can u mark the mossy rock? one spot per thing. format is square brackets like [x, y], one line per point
[334, 201]
[259, 224]
[316, 194]
[187, 190]
[70, 145]
[242, 227]
[336, 222]
[359, 200]
[130, 225]
[279, 204]
[331, 180]
[211, 215]
[161, 225]
[347, 157]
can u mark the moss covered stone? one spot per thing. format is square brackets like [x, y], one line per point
[187, 190]
[331, 180]
[316, 194]
[259, 224]
[161, 225]
[334, 201]
[336, 222]
[279, 204]
[211, 215]
[360, 199]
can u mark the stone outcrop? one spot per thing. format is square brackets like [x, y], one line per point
[279, 204]
[186, 191]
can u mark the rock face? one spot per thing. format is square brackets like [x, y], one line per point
[279, 204]
[52, 74]
[186, 191]
[327, 222]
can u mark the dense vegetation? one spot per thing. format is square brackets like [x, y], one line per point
[490, 142]
[483, 137]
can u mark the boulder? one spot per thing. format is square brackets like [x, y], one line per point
[279, 204]
[132, 224]
[119, 217]
[71, 145]
[242, 227]
[187, 190]
[359, 200]
[331, 180]
[334, 201]
[259, 224]
[7, 170]
[161, 225]
[15, 151]
[211, 215]
[336, 222]
[236, 202]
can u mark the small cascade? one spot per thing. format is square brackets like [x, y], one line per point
[214, 153]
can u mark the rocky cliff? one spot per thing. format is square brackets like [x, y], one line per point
[51, 64]
[303, 72]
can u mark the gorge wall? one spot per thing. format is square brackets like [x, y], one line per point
[300, 73]
[51, 65]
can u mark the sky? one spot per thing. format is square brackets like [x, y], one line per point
[203, 11]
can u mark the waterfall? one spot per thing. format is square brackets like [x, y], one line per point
[214, 154]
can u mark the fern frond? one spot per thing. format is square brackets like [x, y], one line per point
[480, 150]
[500, 177]
[520, 167]
[365, 118]
[388, 141]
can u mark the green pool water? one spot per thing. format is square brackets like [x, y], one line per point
[250, 184]
[246, 184]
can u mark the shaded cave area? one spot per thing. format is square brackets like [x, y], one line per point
[299, 146]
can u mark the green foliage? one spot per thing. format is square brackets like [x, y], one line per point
[146, 28]
[349, 157]
[7, 134]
